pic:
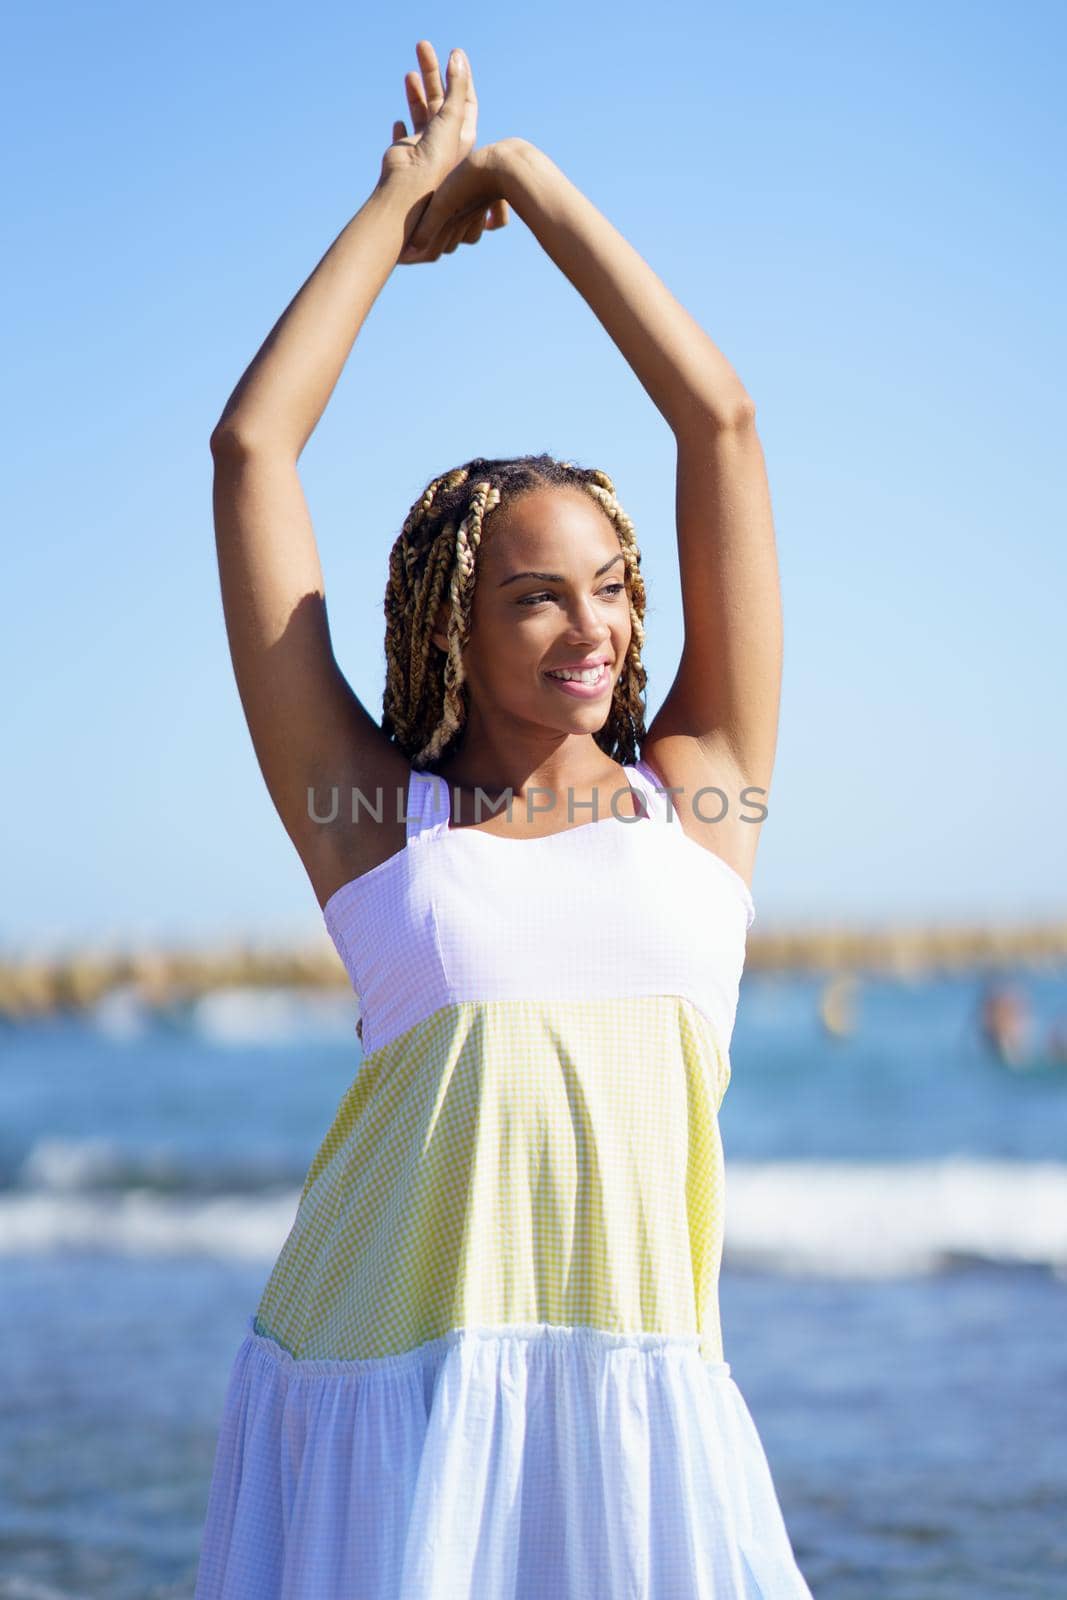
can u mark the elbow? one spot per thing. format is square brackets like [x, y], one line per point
[718, 416]
[235, 440]
[228, 441]
[740, 416]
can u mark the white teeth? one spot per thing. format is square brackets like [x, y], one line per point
[592, 675]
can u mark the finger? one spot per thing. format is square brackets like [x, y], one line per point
[420, 116]
[468, 131]
[445, 243]
[421, 234]
[413, 252]
[499, 214]
[434, 231]
[474, 229]
[431, 75]
[457, 232]
[399, 131]
[461, 100]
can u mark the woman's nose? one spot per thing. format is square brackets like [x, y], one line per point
[589, 624]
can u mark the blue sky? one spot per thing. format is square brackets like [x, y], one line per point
[862, 206]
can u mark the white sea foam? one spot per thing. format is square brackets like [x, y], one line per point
[142, 1223]
[236, 1015]
[869, 1219]
[839, 1219]
[273, 1016]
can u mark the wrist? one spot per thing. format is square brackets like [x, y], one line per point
[401, 197]
[510, 160]
[402, 186]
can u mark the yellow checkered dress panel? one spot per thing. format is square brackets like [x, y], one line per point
[514, 1162]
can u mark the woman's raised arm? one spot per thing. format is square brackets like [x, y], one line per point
[718, 724]
[311, 734]
[284, 392]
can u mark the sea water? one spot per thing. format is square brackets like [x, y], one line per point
[894, 1286]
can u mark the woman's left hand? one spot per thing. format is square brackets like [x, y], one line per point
[469, 201]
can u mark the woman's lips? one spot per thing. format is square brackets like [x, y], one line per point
[583, 691]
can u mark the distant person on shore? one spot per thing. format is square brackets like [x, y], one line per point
[837, 1005]
[1006, 1023]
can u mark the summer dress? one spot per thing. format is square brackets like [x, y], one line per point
[487, 1363]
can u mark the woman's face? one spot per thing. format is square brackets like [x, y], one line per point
[522, 627]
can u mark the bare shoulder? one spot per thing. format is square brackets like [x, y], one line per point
[717, 803]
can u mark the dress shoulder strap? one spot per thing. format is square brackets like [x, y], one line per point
[428, 806]
[652, 787]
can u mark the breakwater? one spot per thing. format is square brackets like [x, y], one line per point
[36, 984]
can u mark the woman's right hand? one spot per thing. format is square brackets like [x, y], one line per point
[444, 123]
[466, 203]
[444, 120]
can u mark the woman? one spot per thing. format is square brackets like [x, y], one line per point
[488, 1361]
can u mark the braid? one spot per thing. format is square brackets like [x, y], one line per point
[627, 720]
[426, 699]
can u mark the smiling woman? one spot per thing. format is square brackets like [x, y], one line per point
[488, 1359]
[496, 530]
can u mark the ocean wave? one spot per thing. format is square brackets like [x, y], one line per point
[807, 1218]
[232, 1016]
[864, 1219]
[96, 1165]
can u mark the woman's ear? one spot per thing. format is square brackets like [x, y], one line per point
[439, 636]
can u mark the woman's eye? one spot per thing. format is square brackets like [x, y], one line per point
[612, 589]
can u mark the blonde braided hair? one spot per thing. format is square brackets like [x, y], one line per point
[426, 700]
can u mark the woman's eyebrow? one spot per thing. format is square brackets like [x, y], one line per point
[556, 577]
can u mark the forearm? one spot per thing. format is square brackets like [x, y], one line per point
[686, 376]
[285, 390]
